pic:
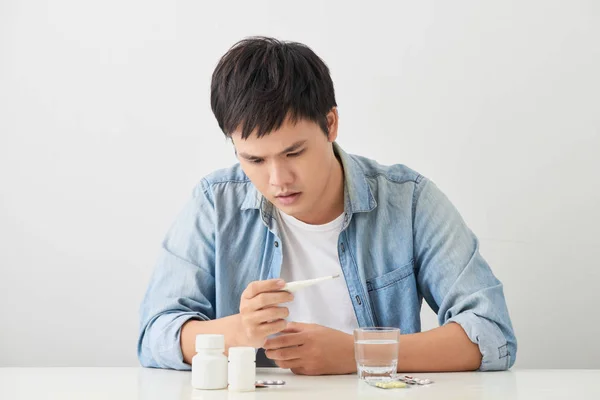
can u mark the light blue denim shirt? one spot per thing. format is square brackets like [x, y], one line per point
[401, 241]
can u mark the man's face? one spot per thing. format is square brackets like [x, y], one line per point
[291, 167]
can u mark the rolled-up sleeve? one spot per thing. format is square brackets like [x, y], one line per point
[456, 281]
[182, 286]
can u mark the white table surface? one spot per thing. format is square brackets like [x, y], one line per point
[147, 384]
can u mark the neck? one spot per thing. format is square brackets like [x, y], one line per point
[333, 198]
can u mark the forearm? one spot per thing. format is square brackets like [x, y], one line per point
[229, 326]
[447, 348]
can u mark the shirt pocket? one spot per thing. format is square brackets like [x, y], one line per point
[394, 299]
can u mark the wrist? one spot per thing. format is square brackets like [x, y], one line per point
[239, 337]
[351, 357]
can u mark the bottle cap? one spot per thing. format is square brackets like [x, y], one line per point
[242, 354]
[210, 341]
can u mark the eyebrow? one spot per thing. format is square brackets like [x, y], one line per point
[288, 149]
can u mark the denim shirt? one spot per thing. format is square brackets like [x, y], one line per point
[401, 241]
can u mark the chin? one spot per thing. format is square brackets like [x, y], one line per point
[292, 211]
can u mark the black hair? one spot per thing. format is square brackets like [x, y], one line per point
[261, 81]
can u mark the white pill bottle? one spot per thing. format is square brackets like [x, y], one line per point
[209, 365]
[242, 369]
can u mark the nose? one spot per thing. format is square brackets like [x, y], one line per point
[280, 175]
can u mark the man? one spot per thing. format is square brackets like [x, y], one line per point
[298, 207]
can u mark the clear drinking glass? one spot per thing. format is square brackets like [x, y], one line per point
[376, 351]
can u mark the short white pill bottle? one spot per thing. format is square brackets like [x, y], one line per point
[209, 365]
[242, 369]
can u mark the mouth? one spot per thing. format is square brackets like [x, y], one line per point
[287, 198]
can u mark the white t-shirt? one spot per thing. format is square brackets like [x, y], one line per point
[310, 251]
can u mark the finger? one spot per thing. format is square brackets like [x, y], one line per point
[289, 364]
[268, 315]
[257, 287]
[285, 354]
[270, 328]
[285, 340]
[267, 299]
[293, 327]
[300, 371]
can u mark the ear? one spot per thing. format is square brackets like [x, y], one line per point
[332, 124]
[234, 148]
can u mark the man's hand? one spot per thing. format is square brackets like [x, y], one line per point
[310, 349]
[259, 314]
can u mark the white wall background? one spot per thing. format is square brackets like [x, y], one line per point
[105, 127]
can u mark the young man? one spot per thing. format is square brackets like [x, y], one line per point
[298, 207]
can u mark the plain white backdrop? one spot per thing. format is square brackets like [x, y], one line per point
[105, 127]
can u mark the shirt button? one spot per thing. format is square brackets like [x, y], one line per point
[358, 300]
[276, 243]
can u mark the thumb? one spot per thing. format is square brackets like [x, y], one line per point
[294, 327]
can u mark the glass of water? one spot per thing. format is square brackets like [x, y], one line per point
[376, 351]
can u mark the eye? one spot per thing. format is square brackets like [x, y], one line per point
[296, 154]
[256, 160]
